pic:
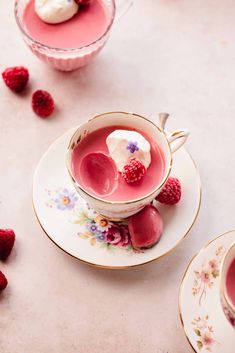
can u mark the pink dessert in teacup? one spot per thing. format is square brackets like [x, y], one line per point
[94, 178]
[66, 34]
[227, 285]
[119, 162]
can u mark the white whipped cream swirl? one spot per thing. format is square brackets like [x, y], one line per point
[55, 11]
[124, 144]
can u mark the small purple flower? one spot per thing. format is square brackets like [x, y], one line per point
[132, 146]
[92, 227]
[65, 200]
[101, 237]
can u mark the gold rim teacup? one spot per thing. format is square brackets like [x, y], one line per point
[169, 143]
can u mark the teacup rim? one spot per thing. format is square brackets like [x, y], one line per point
[64, 50]
[159, 186]
[223, 289]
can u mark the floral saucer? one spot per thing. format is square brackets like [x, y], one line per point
[204, 322]
[78, 230]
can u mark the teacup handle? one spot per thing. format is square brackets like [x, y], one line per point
[177, 139]
[122, 6]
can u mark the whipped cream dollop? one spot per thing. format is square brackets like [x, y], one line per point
[124, 144]
[55, 11]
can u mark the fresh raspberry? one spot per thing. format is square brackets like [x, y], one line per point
[7, 239]
[3, 281]
[42, 103]
[134, 170]
[16, 78]
[171, 193]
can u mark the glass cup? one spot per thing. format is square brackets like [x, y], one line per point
[74, 58]
[169, 143]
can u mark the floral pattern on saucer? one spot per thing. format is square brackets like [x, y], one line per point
[205, 277]
[205, 323]
[96, 229]
[63, 199]
[204, 332]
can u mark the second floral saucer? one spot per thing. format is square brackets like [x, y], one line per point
[204, 322]
[78, 230]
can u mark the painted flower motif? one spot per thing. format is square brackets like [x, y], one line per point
[204, 333]
[118, 235]
[102, 223]
[206, 276]
[95, 231]
[101, 237]
[132, 146]
[65, 200]
[92, 227]
[207, 339]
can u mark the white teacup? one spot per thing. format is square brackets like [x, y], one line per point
[227, 305]
[169, 143]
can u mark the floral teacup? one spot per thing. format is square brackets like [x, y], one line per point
[228, 306]
[168, 144]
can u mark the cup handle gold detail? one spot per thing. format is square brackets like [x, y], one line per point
[177, 139]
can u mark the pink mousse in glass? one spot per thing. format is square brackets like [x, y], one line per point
[71, 44]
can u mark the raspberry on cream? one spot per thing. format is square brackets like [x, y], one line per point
[55, 11]
[125, 144]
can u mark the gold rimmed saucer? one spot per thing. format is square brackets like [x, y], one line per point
[201, 313]
[76, 228]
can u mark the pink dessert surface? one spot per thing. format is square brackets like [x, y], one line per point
[96, 142]
[88, 25]
[230, 282]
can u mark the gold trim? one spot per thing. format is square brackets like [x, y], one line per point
[118, 202]
[186, 272]
[114, 219]
[176, 133]
[137, 265]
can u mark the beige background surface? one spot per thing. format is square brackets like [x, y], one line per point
[165, 55]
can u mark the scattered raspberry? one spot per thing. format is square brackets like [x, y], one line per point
[42, 103]
[3, 281]
[16, 78]
[134, 170]
[7, 239]
[171, 193]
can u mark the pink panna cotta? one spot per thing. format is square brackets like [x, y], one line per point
[146, 228]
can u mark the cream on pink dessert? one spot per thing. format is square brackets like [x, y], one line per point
[84, 28]
[95, 143]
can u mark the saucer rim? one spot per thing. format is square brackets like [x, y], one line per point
[184, 276]
[125, 266]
